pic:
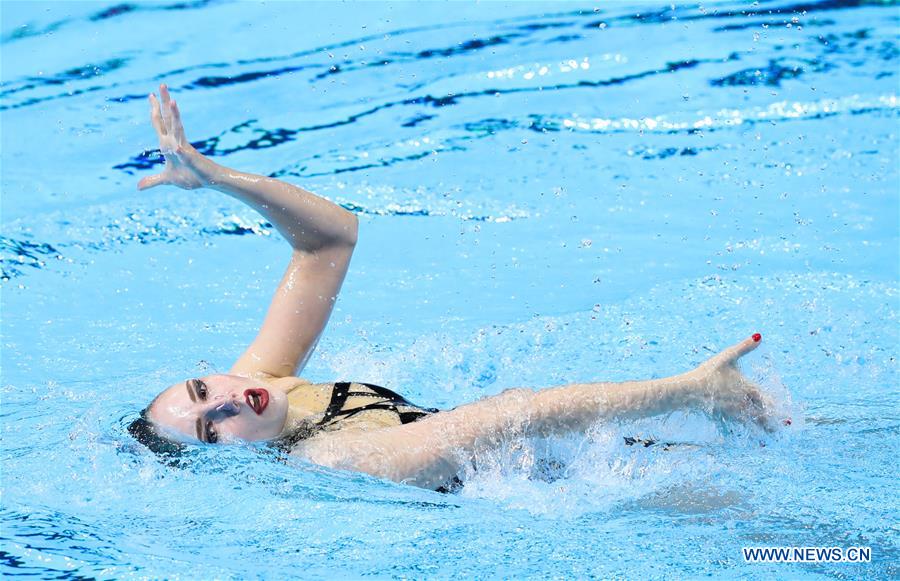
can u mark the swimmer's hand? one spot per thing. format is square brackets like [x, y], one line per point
[722, 391]
[185, 167]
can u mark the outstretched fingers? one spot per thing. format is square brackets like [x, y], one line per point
[156, 116]
[733, 394]
[181, 159]
[760, 409]
[735, 352]
[151, 181]
[166, 108]
[164, 93]
[177, 127]
[165, 115]
[746, 346]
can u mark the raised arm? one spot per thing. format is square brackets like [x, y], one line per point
[321, 234]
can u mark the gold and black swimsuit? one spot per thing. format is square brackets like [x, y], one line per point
[384, 399]
[351, 405]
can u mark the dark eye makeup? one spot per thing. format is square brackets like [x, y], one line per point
[206, 432]
[212, 436]
[199, 388]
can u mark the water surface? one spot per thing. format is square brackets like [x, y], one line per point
[547, 193]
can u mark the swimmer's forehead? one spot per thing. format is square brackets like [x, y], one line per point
[177, 395]
[172, 410]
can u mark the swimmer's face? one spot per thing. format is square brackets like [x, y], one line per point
[221, 409]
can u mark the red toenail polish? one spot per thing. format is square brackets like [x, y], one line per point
[757, 337]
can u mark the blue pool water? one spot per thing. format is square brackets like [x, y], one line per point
[548, 193]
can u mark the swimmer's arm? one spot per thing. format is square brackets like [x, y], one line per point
[322, 235]
[431, 451]
[297, 314]
[309, 223]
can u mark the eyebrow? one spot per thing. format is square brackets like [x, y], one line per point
[187, 386]
[200, 430]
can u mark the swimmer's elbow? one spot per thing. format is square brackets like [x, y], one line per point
[346, 232]
[355, 452]
[423, 468]
[390, 457]
[395, 454]
[385, 460]
[352, 229]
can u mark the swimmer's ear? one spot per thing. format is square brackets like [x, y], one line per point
[151, 181]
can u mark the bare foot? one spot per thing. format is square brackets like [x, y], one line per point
[726, 393]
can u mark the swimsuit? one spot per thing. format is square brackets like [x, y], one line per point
[361, 405]
[386, 399]
[350, 405]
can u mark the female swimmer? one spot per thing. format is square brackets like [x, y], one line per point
[364, 427]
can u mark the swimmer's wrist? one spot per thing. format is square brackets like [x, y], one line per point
[209, 172]
[219, 177]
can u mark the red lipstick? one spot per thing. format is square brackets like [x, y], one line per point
[257, 399]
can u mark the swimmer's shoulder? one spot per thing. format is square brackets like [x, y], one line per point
[285, 384]
[288, 384]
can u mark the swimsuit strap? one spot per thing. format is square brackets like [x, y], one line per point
[410, 417]
[372, 406]
[341, 392]
[406, 417]
[388, 394]
[338, 398]
[399, 399]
